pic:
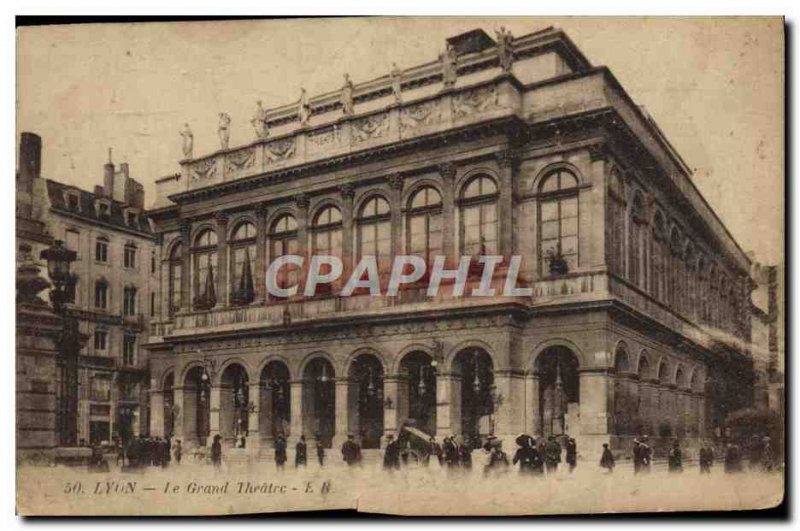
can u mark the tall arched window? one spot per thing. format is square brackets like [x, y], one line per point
[242, 253]
[424, 219]
[558, 221]
[690, 284]
[658, 258]
[327, 238]
[615, 228]
[676, 270]
[204, 266]
[374, 231]
[478, 204]
[175, 272]
[702, 288]
[638, 242]
[283, 242]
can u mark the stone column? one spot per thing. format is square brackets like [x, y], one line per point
[341, 425]
[215, 399]
[303, 202]
[222, 259]
[532, 423]
[391, 393]
[448, 405]
[253, 434]
[447, 171]
[596, 399]
[508, 162]
[261, 264]
[592, 218]
[296, 411]
[156, 413]
[509, 411]
[396, 206]
[347, 192]
[180, 427]
[186, 265]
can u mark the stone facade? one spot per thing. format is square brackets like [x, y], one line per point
[638, 313]
[112, 237]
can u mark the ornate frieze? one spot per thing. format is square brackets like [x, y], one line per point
[369, 127]
[240, 160]
[475, 101]
[204, 169]
[321, 140]
[421, 114]
[279, 150]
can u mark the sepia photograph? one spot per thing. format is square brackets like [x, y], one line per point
[429, 266]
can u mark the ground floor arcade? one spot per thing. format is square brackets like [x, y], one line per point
[470, 376]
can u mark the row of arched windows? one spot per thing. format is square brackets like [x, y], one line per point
[659, 259]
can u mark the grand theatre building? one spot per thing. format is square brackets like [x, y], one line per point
[638, 317]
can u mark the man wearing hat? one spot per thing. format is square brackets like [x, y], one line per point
[646, 454]
[552, 454]
[280, 451]
[525, 455]
[450, 450]
[498, 460]
[637, 456]
[391, 454]
[351, 452]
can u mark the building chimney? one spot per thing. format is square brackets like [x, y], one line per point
[108, 177]
[30, 156]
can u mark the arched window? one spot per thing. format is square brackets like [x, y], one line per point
[637, 258]
[424, 220]
[374, 232]
[690, 284]
[658, 258]
[676, 270]
[283, 242]
[327, 238]
[615, 228]
[478, 204]
[175, 273]
[558, 222]
[242, 253]
[327, 230]
[204, 267]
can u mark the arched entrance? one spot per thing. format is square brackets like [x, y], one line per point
[419, 373]
[365, 399]
[559, 391]
[319, 401]
[275, 400]
[196, 402]
[644, 425]
[169, 404]
[234, 403]
[624, 393]
[474, 366]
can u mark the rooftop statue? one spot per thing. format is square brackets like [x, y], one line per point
[303, 108]
[188, 141]
[505, 51]
[396, 75]
[259, 122]
[346, 98]
[224, 130]
[449, 65]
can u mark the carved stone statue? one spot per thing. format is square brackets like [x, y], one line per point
[259, 122]
[224, 130]
[397, 75]
[346, 98]
[303, 108]
[449, 65]
[505, 52]
[188, 141]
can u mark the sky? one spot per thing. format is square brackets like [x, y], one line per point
[715, 86]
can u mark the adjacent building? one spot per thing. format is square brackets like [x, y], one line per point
[768, 309]
[108, 230]
[638, 321]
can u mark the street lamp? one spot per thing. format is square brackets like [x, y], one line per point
[70, 340]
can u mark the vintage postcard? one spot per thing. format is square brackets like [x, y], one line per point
[412, 266]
